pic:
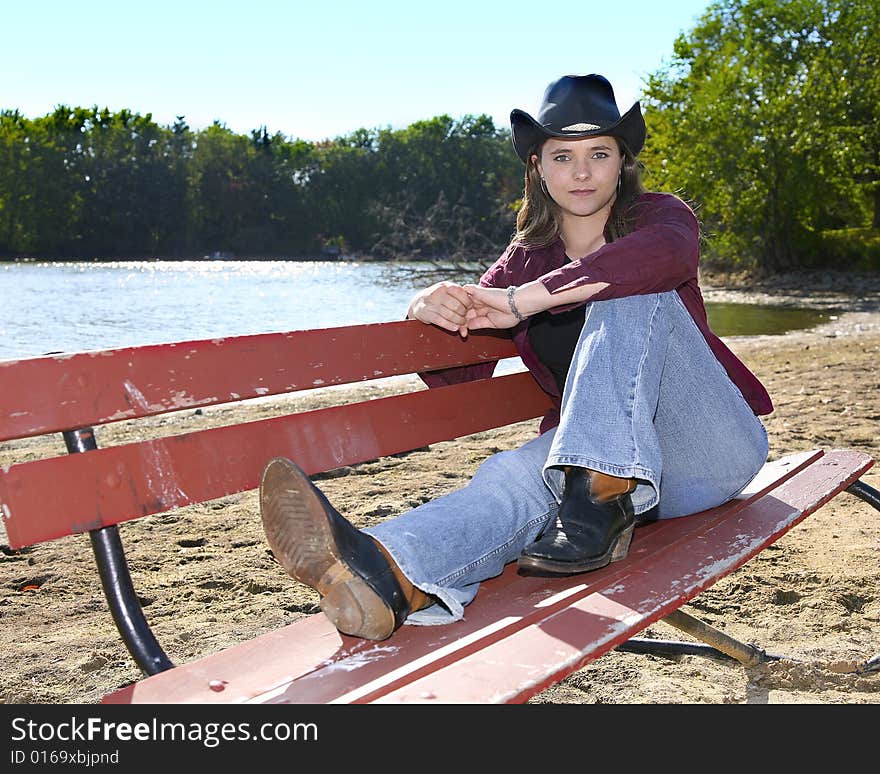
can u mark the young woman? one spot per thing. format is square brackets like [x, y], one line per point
[655, 417]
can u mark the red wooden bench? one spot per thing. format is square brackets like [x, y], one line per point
[520, 635]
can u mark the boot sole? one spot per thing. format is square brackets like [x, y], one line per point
[616, 551]
[301, 535]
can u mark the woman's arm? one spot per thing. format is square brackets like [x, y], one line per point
[661, 253]
[492, 307]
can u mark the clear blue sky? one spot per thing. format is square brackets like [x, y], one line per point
[323, 69]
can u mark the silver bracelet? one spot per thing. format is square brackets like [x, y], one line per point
[512, 304]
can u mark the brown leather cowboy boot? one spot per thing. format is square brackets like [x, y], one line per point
[593, 526]
[362, 592]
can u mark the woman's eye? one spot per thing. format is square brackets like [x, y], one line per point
[561, 157]
[600, 155]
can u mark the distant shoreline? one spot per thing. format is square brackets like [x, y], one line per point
[212, 257]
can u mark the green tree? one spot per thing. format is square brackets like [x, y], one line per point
[842, 99]
[126, 177]
[445, 189]
[741, 121]
[290, 211]
[217, 179]
[15, 153]
[175, 153]
[340, 185]
[41, 190]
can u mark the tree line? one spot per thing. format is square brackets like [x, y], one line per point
[765, 119]
[86, 182]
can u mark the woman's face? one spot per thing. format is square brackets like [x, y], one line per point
[581, 175]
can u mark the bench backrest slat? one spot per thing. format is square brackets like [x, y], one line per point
[63, 392]
[45, 499]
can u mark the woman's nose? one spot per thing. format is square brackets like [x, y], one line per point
[582, 171]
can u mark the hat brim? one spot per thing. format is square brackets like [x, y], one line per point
[526, 132]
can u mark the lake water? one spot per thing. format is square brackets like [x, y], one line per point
[70, 307]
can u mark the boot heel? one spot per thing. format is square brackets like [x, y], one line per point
[621, 545]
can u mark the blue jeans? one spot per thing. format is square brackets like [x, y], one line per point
[645, 398]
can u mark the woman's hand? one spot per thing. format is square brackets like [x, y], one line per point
[489, 308]
[443, 304]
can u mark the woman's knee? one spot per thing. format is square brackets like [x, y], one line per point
[502, 467]
[646, 303]
[631, 317]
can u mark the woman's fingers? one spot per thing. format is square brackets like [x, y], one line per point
[454, 305]
[445, 305]
[456, 298]
[459, 308]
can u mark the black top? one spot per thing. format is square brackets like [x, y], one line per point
[553, 338]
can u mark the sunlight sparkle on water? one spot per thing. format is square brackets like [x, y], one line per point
[78, 306]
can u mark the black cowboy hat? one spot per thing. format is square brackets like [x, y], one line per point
[577, 106]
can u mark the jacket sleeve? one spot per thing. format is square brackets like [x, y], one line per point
[660, 254]
[457, 374]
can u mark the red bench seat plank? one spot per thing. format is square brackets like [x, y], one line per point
[516, 668]
[360, 670]
[63, 392]
[234, 675]
[45, 499]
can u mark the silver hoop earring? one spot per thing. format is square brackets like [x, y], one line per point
[544, 186]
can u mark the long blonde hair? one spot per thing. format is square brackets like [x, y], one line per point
[539, 219]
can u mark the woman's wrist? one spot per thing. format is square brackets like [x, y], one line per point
[511, 303]
[529, 300]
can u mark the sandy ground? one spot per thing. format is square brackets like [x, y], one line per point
[207, 579]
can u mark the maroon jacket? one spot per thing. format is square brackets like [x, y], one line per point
[662, 253]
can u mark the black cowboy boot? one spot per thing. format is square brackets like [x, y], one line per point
[362, 591]
[593, 526]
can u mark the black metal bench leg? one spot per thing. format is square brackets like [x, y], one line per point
[124, 604]
[125, 607]
[743, 652]
[871, 496]
[715, 643]
[864, 492]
